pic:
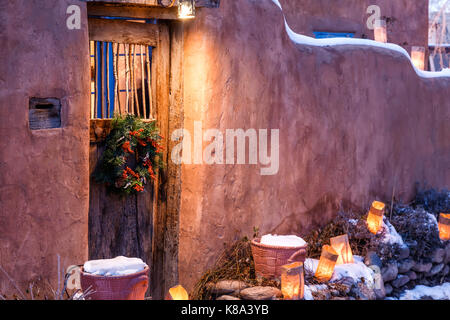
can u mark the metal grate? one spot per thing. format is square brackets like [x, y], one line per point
[120, 80]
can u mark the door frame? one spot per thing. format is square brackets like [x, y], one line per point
[167, 90]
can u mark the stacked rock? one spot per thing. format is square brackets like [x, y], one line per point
[406, 272]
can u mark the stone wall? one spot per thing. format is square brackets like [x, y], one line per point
[44, 182]
[406, 272]
[356, 123]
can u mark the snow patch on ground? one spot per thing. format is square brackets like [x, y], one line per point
[118, 266]
[282, 241]
[305, 40]
[432, 220]
[391, 235]
[441, 292]
[356, 270]
[308, 291]
[307, 295]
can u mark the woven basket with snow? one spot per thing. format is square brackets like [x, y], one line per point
[269, 259]
[126, 287]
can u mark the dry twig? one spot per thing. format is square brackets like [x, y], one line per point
[13, 283]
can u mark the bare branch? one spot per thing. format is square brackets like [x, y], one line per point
[31, 291]
[13, 283]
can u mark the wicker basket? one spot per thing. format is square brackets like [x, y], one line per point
[269, 259]
[128, 287]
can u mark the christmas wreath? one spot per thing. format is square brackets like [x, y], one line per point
[132, 155]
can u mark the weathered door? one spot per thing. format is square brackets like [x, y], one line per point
[118, 225]
[129, 75]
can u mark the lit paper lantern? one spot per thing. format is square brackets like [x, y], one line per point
[326, 265]
[375, 216]
[380, 31]
[186, 9]
[177, 293]
[444, 226]
[292, 281]
[341, 245]
[418, 57]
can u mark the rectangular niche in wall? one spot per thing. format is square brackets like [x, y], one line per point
[44, 113]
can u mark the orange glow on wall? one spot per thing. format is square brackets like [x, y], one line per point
[444, 226]
[177, 293]
[375, 216]
[327, 263]
[418, 57]
[341, 245]
[380, 31]
[292, 281]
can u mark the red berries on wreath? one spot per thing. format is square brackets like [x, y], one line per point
[130, 136]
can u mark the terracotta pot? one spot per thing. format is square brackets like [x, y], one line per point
[269, 259]
[128, 287]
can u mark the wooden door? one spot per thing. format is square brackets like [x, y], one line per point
[124, 225]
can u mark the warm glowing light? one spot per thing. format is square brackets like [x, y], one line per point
[327, 262]
[444, 226]
[292, 281]
[375, 216]
[177, 293]
[418, 57]
[341, 245]
[380, 31]
[186, 9]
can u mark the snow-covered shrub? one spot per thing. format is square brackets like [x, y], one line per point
[418, 229]
[433, 201]
[360, 238]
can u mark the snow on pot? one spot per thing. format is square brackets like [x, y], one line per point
[271, 252]
[120, 278]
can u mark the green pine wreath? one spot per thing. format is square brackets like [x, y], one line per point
[132, 156]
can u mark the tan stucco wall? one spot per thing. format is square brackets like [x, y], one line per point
[44, 185]
[354, 122]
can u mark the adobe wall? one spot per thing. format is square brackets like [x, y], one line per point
[407, 20]
[44, 182]
[355, 123]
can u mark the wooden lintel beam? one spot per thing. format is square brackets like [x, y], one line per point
[96, 9]
[154, 3]
[123, 32]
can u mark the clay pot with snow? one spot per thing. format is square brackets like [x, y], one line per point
[120, 278]
[270, 253]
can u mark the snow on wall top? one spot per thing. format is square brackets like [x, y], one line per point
[330, 42]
